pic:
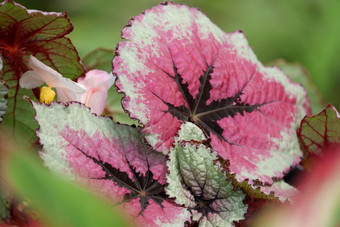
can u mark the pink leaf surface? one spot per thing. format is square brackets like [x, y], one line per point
[280, 190]
[112, 159]
[176, 66]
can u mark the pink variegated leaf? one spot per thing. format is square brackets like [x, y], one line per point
[280, 190]
[177, 66]
[112, 159]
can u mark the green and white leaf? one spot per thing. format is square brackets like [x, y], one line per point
[53, 119]
[198, 183]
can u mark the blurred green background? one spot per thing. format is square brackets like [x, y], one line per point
[305, 31]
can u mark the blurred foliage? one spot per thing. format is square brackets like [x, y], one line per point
[304, 31]
[53, 200]
[298, 74]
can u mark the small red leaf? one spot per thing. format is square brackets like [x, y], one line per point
[319, 131]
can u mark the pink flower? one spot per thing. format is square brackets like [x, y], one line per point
[97, 83]
[90, 90]
[67, 89]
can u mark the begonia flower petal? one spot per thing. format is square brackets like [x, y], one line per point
[97, 79]
[46, 73]
[67, 95]
[97, 83]
[68, 84]
[97, 102]
[30, 80]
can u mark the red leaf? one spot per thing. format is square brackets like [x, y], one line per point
[319, 131]
[24, 33]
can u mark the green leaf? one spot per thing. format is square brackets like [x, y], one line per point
[299, 74]
[3, 99]
[318, 131]
[115, 110]
[25, 33]
[4, 207]
[99, 59]
[59, 202]
[198, 183]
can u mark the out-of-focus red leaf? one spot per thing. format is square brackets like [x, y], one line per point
[318, 204]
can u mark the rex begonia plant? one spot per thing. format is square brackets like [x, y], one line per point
[217, 128]
[174, 72]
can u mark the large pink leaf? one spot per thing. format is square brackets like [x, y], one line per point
[112, 159]
[176, 66]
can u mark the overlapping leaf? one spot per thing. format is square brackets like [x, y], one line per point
[99, 59]
[177, 66]
[317, 132]
[3, 99]
[198, 183]
[111, 158]
[24, 33]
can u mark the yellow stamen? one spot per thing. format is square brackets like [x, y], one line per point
[46, 95]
